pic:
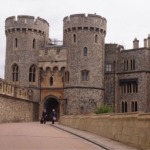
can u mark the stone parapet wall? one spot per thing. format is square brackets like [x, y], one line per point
[15, 91]
[131, 129]
[16, 103]
[17, 110]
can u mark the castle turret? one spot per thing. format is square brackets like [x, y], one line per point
[25, 35]
[84, 37]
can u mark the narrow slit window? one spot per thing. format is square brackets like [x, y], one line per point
[33, 43]
[51, 81]
[74, 38]
[16, 42]
[15, 72]
[96, 38]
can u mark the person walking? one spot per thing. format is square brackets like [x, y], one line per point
[53, 116]
[44, 116]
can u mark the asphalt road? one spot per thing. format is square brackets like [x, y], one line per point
[36, 136]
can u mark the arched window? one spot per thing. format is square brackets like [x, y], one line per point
[85, 75]
[16, 42]
[133, 64]
[122, 107]
[51, 81]
[126, 107]
[85, 50]
[67, 76]
[96, 38]
[15, 72]
[32, 73]
[136, 106]
[33, 43]
[132, 106]
[74, 38]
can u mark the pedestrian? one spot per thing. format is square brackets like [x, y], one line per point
[44, 116]
[53, 115]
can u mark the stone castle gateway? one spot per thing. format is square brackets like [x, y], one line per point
[80, 73]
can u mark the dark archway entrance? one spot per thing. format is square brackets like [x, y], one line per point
[49, 105]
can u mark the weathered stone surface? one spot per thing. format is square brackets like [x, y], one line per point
[131, 129]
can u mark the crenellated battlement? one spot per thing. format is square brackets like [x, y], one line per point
[91, 22]
[26, 23]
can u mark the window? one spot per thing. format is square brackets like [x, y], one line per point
[108, 67]
[125, 65]
[85, 50]
[67, 76]
[33, 43]
[74, 38]
[32, 73]
[134, 106]
[15, 72]
[51, 81]
[85, 75]
[132, 64]
[96, 38]
[129, 85]
[124, 107]
[16, 42]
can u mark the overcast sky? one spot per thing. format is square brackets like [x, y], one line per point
[126, 19]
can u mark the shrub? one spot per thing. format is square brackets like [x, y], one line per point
[103, 109]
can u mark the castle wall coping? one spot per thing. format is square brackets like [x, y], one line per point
[25, 20]
[84, 15]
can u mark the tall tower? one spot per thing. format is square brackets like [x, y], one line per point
[25, 35]
[84, 37]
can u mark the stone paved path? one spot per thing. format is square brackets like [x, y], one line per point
[36, 136]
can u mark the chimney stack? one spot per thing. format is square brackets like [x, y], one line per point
[145, 43]
[135, 43]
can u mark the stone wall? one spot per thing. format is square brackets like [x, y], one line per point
[16, 110]
[84, 38]
[131, 128]
[16, 103]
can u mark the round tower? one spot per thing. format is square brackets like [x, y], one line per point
[84, 37]
[25, 36]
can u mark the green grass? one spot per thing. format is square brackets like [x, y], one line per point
[103, 109]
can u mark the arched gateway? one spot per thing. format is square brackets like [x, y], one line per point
[51, 103]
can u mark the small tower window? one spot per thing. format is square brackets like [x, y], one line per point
[33, 43]
[85, 75]
[16, 42]
[96, 38]
[74, 38]
[15, 72]
[85, 50]
[32, 73]
[67, 76]
[51, 81]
